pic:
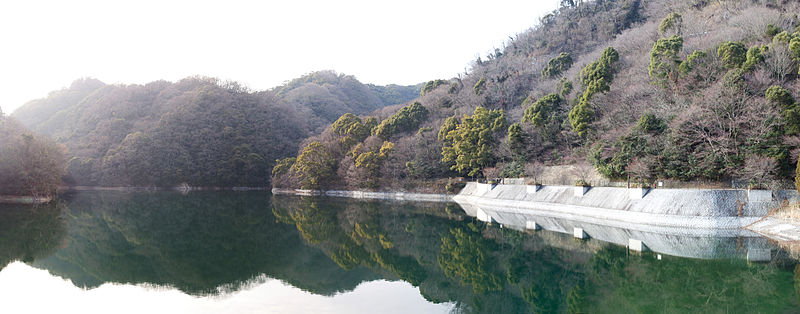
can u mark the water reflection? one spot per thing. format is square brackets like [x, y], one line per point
[683, 242]
[28, 233]
[196, 243]
[223, 244]
[484, 268]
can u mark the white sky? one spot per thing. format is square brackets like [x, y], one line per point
[45, 45]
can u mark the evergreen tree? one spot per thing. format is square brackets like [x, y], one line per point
[471, 145]
[406, 119]
[673, 23]
[557, 65]
[315, 166]
[664, 60]
[596, 77]
[733, 54]
[541, 110]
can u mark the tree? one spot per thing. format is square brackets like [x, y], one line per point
[557, 65]
[733, 54]
[516, 140]
[580, 117]
[479, 87]
[280, 172]
[671, 24]
[470, 146]
[772, 30]
[406, 119]
[664, 61]
[370, 160]
[650, 123]
[430, 86]
[596, 78]
[640, 170]
[790, 110]
[691, 61]
[759, 170]
[534, 170]
[29, 164]
[352, 129]
[597, 75]
[541, 110]
[315, 165]
[797, 176]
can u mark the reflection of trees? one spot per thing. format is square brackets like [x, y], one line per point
[196, 243]
[29, 233]
[467, 256]
[205, 240]
[487, 269]
[620, 283]
[352, 242]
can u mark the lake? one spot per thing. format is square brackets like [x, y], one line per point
[250, 252]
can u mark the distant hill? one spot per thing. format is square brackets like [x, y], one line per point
[199, 131]
[329, 95]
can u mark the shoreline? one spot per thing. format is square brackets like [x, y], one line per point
[398, 196]
[698, 211]
[154, 188]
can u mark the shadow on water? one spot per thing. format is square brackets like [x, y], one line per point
[30, 232]
[197, 243]
[203, 241]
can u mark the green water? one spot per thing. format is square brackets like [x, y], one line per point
[250, 252]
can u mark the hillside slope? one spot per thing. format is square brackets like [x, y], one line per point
[648, 89]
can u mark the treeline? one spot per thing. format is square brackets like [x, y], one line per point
[632, 89]
[30, 164]
[198, 131]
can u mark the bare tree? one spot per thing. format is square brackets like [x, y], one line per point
[759, 170]
[492, 173]
[640, 169]
[778, 61]
[534, 170]
[583, 172]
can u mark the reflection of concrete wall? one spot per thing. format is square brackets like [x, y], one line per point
[682, 222]
[703, 243]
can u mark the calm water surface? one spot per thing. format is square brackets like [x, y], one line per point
[248, 252]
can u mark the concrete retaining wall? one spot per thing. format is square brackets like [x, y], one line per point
[680, 222]
[681, 202]
[681, 208]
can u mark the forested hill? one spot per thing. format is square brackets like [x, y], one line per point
[199, 131]
[674, 89]
[30, 164]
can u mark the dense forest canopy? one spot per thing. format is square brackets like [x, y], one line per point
[634, 89]
[199, 131]
[30, 164]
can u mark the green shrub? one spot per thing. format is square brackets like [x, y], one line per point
[406, 119]
[557, 65]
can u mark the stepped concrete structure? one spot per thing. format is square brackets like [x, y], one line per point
[691, 223]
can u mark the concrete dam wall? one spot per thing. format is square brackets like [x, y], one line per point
[686, 208]
[680, 222]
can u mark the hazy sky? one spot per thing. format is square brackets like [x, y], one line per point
[48, 44]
